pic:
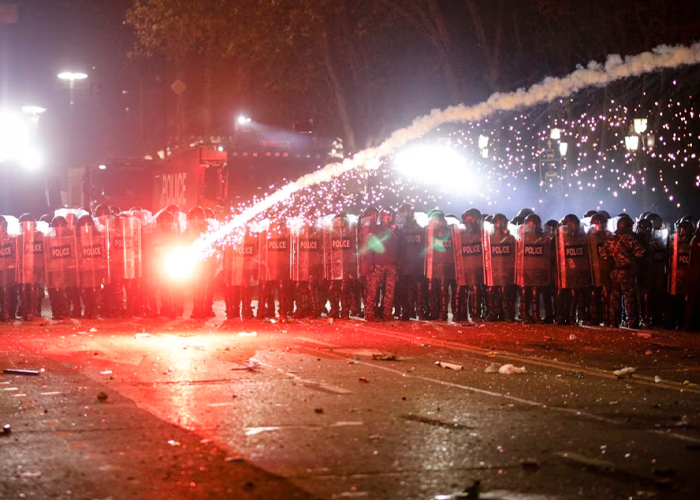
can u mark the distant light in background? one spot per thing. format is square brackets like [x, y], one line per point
[242, 120]
[563, 149]
[434, 164]
[640, 125]
[555, 134]
[16, 141]
[102, 167]
[632, 142]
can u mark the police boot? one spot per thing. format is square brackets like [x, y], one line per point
[4, 305]
[523, 306]
[28, 302]
[536, 292]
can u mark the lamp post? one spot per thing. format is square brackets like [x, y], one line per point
[72, 77]
[484, 145]
[637, 139]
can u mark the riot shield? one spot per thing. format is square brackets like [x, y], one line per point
[241, 266]
[365, 254]
[439, 254]
[275, 253]
[30, 254]
[679, 266]
[573, 261]
[412, 246]
[600, 267]
[532, 257]
[307, 251]
[468, 255]
[92, 256]
[499, 256]
[124, 252]
[8, 253]
[60, 257]
[340, 247]
[658, 248]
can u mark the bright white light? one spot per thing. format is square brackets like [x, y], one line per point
[33, 110]
[640, 125]
[485, 153]
[632, 142]
[242, 120]
[483, 141]
[555, 134]
[435, 164]
[651, 140]
[71, 76]
[179, 263]
[563, 148]
[102, 167]
[16, 141]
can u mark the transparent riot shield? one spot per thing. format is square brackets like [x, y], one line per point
[468, 255]
[600, 266]
[61, 259]
[532, 257]
[8, 252]
[30, 254]
[658, 250]
[275, 252]
[307, 251]
[499, 256]
[679, 266]
[412, 245]
[439, 253]
[340, 247]
[92, 256]
[125, 249]
[573, 260]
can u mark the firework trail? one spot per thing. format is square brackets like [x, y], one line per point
[594, 75]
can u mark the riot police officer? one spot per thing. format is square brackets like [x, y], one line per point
[599, 296]
[469, 267]
[196, 227]
[574, 271]
[412, 287]
[8, 257]
[692, 297]
[340, 248]
[679, 272]
[365, 257]
[439, 259]
[533, 267]
[624, 250]
[92, 263]
[384, 245]
[30, 269]
[499, 269]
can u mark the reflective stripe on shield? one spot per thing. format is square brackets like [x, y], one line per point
[573, 264]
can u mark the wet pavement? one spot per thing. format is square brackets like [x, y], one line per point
[151, 408]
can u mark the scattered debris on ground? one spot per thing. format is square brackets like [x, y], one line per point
[624, 372]
[511, 370]
[449, 366]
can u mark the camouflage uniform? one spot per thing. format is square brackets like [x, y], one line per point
[692, 297]
[623, 249]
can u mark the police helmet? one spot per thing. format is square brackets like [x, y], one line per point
[524, 212]
[25, 217]
[406, 210]
[517, 220]
[135, 209]
[685, 229]
[388, 215]
[45, 218]
[164, 217]
[533, 220]
[59, 221]
[552, 223]
[85, 220]
[209, 213]
[599, 218]
[624, 224]
[570, 220]
[605, 213]
[436, 213]
[196, 213]
[590, 213]
[500, 221]
[370, 212]
[115, 210]
[102, 211]
[644, 227]
[624, 215]
[472, 215]
[3, 225]
[656, 220]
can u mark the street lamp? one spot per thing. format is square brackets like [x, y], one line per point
[555, 134]
[640, 125]
[71, 77]
[484, 145]
[632, 143]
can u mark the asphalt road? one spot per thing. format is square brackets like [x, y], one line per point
[159, 409]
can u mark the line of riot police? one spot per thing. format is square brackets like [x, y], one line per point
[382, 265]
